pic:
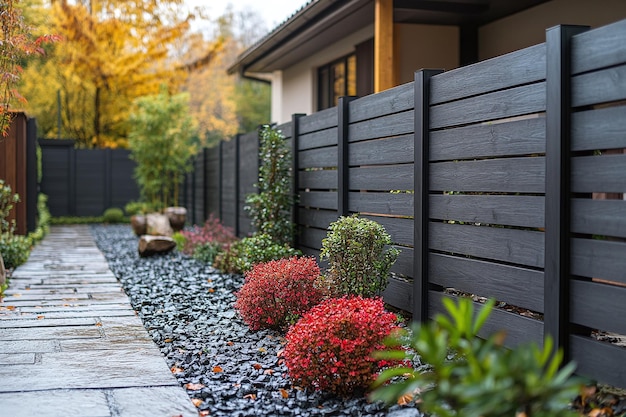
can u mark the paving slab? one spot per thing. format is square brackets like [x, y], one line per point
[71, 344]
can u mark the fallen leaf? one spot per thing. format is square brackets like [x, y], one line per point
[99, 323]
[405, 399]
[41, 317]
[280, 352]
[230, 343]
[10, 308]
[168, 340]
[250, 396]
[263, 350]
[176, 370]
[284, 393]
[257, 366]
[601, 412]
[211, 290]
[209, 281]
[194, 387]
[268, 371]
[15, 295]
[204, 413]
[217, 369]
[196, 401]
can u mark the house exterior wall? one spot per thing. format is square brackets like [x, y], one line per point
[298, 83]
[529, 27]
[424, 46]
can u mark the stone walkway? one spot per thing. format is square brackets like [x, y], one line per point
[70, 343]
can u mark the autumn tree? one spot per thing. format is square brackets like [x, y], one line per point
[17, 43]
[114, 52]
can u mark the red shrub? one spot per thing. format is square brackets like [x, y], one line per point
[330, 347]
[276, 293]
[211, 232]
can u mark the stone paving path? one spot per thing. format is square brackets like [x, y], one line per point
[70, 343]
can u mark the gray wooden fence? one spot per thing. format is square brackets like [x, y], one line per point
[501, 179]
[85, 182]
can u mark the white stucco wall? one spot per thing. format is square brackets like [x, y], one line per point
[424, 46]
[299, 82]
[528, 28]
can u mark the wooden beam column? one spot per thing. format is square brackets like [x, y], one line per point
[384, 71]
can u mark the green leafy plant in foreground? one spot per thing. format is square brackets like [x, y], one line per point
[473, 377]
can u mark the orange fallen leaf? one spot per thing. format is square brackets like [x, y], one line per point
[211, 290]
[263, 350]
[196, 401]
[250, 396]
[194, 387]
[10, 308]
[268, 371]
[209, 281]
[204, 413]
[168, 340]
[230, 343]
[284, 393]
[257, 366]
[41, 317]
[217, 369]
[601, 412]
[405, 399]
[176, 370]
[99, 324]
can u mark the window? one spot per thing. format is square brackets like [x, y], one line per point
[335, 80]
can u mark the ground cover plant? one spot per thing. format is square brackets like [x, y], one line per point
[358, 260]
[244, 253]
[207, 241]
[277, 293]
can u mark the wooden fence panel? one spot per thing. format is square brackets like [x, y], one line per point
[213, 182]
[248, 177]
[123, 186]
[229, 185]
[90, 183]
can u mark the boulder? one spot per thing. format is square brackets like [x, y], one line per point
[152, 245]
[139, 224]
[177, 217]
[158, 225]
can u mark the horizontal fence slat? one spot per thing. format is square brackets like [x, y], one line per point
[404, 263]
[599, 217]
[319, 139]
[598, 48]
[517, 101]
[521, 247]
[400, 204]
[311, 237]
[316, 218]
[599, 259]
[285, 129]
[599, 174]
[325, 179]
[523, 175]
[318, 158]
[519, 137]
[519, 330]
[395, 150]
[516, 68]
[318, 121]
[599, 87]
[598, 306]
[509, 210]
[393, 100]
[318, 199]
[382, 178]
[599, 129]
[391, 125]
[400, 230]
[516, 286]
[599, 361]
[399, 293]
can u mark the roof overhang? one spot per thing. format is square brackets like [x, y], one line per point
[321, 22]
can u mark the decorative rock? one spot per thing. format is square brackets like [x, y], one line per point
[158, 225]
[177, 217]
[139, 224]
[152, 245]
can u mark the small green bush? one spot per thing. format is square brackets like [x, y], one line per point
[180, 240]
[7, 200]
[243, 254]
[206, 252]
[467, 376]
[66, 220]
[137, 207]
[358, 263]
[113, 215]
[15, 249]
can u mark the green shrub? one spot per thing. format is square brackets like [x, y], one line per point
[137, 207]
[243, 254]
[206, 252]
[358, 263]
[15, 249]
[270, 208]
[473, 377]
[7, 201]
[66, 220]
[180, 240]
[113, 215]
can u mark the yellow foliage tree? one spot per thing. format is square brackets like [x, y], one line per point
[114, 51]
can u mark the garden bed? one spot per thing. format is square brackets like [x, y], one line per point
[228, 370]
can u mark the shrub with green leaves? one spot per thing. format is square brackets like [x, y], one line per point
[15, 249]
[113, 215]
[7, 200]
[243, 254]
[270, 208]
[207, 252]
[467, 376]
[137, 207]
[358, 263]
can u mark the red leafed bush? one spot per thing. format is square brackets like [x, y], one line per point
[276, 293]
[330, 347]
[212, 232]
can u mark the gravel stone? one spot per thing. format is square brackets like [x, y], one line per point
[187, 308]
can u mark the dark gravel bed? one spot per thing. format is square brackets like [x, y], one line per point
[228, 370]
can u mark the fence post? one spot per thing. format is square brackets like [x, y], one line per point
[421, 192]
[557, 199]
[295, 169]
[237, 185]
[343, 162]
[220, 178]
[71, 179]
[205, 204]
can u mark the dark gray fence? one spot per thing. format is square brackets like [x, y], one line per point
[85, 182]
[502, 179]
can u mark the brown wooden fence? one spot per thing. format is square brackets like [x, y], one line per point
[488, 178]
[18, 168]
